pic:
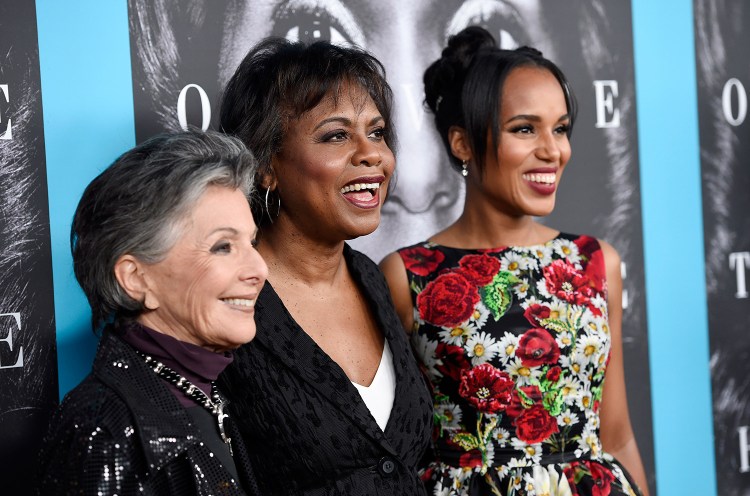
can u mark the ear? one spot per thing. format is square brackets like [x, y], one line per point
[459, 142]
[268, 178]
[130, 274]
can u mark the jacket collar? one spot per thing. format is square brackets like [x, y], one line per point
[162, 425]
[298, 351]
[164, 428]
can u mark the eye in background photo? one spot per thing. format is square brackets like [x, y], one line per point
[183, 53]
[723, 71]
[28, 359]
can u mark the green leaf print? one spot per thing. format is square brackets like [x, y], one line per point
[467, 441]
[553, 402]
[496, 296]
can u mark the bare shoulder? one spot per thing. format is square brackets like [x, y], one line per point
[394, 271]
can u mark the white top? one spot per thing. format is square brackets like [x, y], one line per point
[379, 395]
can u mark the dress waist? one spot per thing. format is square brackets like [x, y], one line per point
[453, 457]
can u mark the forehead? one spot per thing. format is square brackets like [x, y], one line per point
[532, 90]
[346, 99]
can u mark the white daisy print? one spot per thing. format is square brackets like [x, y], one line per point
[450, 416]
[456, 336]
[479, 317]
[425, 350]
[523, 375]
[507, 346]
[513, 262]
[481, 347]
[567, 250]
[522, 288]
[567, 418]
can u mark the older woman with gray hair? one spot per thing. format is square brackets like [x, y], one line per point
[163, 246]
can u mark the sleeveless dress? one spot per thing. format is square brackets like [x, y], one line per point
[515, 342]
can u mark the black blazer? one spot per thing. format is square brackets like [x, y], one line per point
[305, 425]
[122, 431]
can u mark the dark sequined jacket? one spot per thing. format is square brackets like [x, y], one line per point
[121, 431]
[307, 429]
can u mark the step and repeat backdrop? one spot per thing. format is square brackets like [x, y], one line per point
[181, 55]
[28, 362]
[722, 38]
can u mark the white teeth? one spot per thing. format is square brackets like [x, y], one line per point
[239, 302]
[547, 178]
[360, 187]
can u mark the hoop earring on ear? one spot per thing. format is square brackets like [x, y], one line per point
[465, 168]
[268, 210]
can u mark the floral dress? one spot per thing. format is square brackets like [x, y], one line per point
[515, 342]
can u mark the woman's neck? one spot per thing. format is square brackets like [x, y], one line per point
[198, 365]
[290, 254]
[485, 226]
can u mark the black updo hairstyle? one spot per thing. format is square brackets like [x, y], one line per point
[464, 86]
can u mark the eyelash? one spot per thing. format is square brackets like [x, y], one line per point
[340, 135]
[222, 247]
[562, 129]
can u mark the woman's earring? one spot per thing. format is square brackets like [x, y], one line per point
[465, 168]
[268, 210]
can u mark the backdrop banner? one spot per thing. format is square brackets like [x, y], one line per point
[28, 362]
[721, 42]
[183, 54]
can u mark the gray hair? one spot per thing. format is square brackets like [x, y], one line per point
[137, 206]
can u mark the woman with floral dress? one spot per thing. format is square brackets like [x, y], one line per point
[515, 323]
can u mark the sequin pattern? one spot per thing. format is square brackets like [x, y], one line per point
[121, 431]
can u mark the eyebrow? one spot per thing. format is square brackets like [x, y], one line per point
[230, 230]
[346, 121]
[533, 118]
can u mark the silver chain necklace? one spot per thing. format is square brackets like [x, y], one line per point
[213, 404]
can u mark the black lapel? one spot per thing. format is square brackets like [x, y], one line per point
[368, 276]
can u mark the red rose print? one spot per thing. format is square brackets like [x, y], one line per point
[596, 272]
[471, 459]
[586, 245]
[448, 300]
[553, 374]
[480, 269]
[537, 347]
[566, 282]
[453, 361]
[603, 478]
[421, 261]
[427, 474]
[536, 312]
[570, 474]
[487, 388]
[516, 407]
[535, 424]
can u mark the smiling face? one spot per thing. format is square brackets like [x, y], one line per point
[204, 291]
[333, 169]
[426, 194]
[522, 173]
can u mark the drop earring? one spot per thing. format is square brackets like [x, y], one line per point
[465, 168]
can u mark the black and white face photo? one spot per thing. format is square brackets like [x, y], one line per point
[184, 52]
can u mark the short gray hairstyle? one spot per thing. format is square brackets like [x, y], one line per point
[137, 207]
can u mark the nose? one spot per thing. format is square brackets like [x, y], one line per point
[549, 148]
[254, 268]
[368, 153]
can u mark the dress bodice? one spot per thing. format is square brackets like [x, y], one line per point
[515, 341]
